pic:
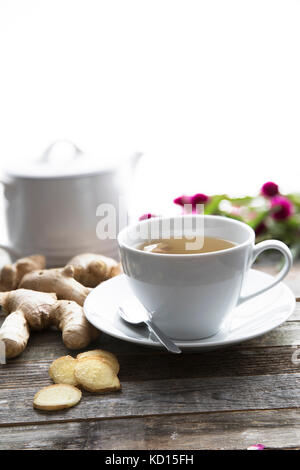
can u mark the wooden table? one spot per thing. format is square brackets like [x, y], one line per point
[224, 399]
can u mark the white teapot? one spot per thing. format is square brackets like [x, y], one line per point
[51, 204]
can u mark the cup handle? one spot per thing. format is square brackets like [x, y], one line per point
[270, 245]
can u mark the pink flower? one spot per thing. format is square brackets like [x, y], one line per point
[260, 229]
[256, 447]
[198, 198]
[182, 200]
[269, 189]
[147, 216]
[281, 208]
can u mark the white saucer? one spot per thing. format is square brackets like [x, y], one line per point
[251, 319]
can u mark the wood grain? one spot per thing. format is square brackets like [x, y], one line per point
[229, 430]
[287, 334]
[137, 368]
[162, 397]
[296, 315]
[47, 345]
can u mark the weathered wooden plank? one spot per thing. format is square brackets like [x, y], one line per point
[45, 346]
[296, 315]
[219, 363]
[287, 334]
[230, 430]
[157, 397]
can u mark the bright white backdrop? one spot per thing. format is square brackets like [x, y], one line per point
[208, 89]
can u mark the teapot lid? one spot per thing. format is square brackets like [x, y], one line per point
[63, 159]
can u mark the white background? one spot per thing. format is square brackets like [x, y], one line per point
[209, 90]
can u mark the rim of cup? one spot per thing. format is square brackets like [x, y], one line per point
[122, 234]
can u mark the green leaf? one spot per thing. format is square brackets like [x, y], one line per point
[295, 198]
[213, 204]
[240, 201]
[287, 230]
[254, 223]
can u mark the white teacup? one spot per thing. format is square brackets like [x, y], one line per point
[190, 295]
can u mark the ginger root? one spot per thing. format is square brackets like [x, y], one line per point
[37, 298]
[77, 332]
[69, 283]
[92, 269]
[11, 274]
[58, 280]
[36, 307]
[27, 309]
[15, 334]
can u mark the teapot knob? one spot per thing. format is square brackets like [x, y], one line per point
[62, 150]
[135, 158]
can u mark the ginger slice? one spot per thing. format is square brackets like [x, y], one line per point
[109, 357]
[57, 397]
[96, 375]
[62, 370]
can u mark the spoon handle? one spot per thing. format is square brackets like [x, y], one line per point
[162, 338]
